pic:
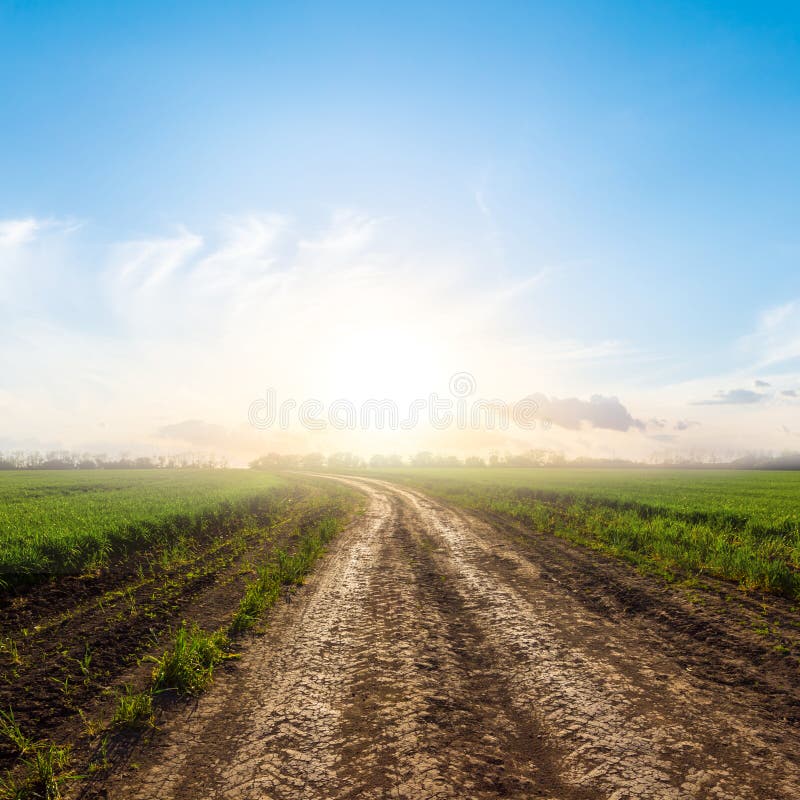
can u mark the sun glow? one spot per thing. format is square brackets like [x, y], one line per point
[388, 360]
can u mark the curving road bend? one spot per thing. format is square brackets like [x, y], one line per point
[429, 657]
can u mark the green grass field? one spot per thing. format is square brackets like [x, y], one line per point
[173, 566]
[738, 525]
[63, 521]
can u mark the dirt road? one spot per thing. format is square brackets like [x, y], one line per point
[430, 656]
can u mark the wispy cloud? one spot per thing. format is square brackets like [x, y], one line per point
[776, 341]
[685, 424]
[732, 397]
[578, 351]
[144, 265]
[24, 230]
[193, 324]
[14, 232]
[197, 434]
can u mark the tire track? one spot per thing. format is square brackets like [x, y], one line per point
[429, 693]
[274, 731]
[428, 658]
[604, 697]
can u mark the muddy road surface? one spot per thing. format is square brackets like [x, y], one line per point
[430, 656]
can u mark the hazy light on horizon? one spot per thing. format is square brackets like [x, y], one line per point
[595, 203]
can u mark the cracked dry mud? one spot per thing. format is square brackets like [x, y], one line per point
[429, 657]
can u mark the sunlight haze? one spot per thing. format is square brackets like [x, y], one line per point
[570, 201]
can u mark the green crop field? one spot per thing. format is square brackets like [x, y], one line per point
[104, 569]
[61, 521]
[737, 525]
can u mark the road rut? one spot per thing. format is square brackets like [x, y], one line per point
[429, 657]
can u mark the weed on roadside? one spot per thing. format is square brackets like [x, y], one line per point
[133, 708]
[187, 668]
[283, 570]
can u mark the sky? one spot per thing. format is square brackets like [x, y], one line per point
[592, 205]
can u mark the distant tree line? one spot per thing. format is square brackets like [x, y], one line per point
[530, 458]
[65, 459]
[425, 458]
[784, 461]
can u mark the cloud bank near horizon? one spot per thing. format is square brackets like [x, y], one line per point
[163, 341]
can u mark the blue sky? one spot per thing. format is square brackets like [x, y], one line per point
[618, 180]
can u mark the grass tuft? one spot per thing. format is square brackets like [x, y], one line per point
[9, 729]
[47, 771]
[133, 708]
[8, 647]
[283, 570]
[187, 668]
[42, 768]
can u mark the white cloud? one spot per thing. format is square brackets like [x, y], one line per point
[733, 397]
[14, 232]
[22, 231]
[776, 341]
[194, 325]
[141, 266]
[597, 412]
[349, 232]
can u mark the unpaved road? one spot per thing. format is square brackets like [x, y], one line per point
[430, 657]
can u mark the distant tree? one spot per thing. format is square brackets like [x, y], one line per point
[521, 460]
[423, 459]
[447, 461]
[380, 461]
[277, 461]
[57, 459]
[269, 461]
[392, 460]
[345, 461]
[312, 461]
